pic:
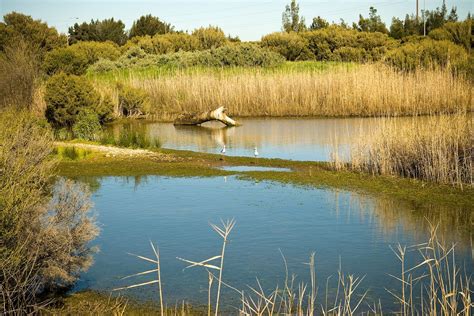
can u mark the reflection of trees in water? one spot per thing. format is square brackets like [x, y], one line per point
[93, 183]
[390, 216]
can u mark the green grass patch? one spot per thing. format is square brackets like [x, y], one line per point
[154, 72]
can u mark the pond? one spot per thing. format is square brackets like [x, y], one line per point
[285, 138]
[342, 227]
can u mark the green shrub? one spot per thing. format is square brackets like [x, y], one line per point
[103, 65]
[427, 54]
[460, 33]
[235, 54]
[210, 37]
[245, 55]
[133, 101]
[291, 45]
[97, 50]
[350, 54]
[330, 43]
[87, 125]
[65, 96]
[65, 60]
[77, 58]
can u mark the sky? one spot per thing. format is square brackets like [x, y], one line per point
[247, 19]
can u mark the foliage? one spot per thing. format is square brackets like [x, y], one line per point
[76, 58]
[87, 125]
[245, 55]
[410, 26]
[44, 240]
[132, 101]
[427, 53]
[67, 60]
[460, 33]
[325, 43]
[318, 23]
[372, 24]
[288, 44]
[65, 96]
[235, 54]
[99, 31]
[291, 20]
[19, 71]
[149, 25]
[210, 37]
[18, 27]
[165, 43]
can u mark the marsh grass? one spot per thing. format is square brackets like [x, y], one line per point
[438, 149]
[364, 90]
[434, 285]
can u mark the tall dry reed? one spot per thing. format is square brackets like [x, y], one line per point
[366, 90]
[437, 148]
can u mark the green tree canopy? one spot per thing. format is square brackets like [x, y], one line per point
[371, 24]
[37, 34]
[149, 25]
[291, 20]
[99, 31]
[318, 23]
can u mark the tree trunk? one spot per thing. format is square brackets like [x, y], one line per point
[199, 118]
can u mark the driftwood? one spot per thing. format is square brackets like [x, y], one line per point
[199, 118]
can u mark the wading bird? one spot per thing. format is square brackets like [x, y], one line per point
[255, 152]
[223, 150]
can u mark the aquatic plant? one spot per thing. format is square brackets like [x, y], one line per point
[437, 149]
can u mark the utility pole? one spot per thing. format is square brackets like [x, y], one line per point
[417, 10]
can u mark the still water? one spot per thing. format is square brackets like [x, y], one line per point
[341, 227]
[285, 138]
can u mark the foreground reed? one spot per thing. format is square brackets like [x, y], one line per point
[366, 90]
[434, 285]
[437, 149]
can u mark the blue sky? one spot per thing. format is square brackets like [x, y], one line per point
[247, 19]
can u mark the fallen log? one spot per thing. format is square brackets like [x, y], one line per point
[199, 118]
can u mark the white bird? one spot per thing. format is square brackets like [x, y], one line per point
[223, 150]
[255, 152]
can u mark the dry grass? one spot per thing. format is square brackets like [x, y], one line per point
[440, 149]
[433, 285]
[367, 90]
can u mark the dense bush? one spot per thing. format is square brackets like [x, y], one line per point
[76, 58]
[66, 96]
[235, 54]
[164, 43]
[326, 44]
[245, 55]
[45, 230]
[290, 45]
[210, 37]
[133, 102]
[460, 33]
[65, 60]
[87, 125]
[19, 27]
[19, 72]
[426, 54]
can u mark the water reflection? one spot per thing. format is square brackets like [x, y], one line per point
[337, 224]
[295, 139]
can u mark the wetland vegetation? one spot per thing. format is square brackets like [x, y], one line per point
[365, 135]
